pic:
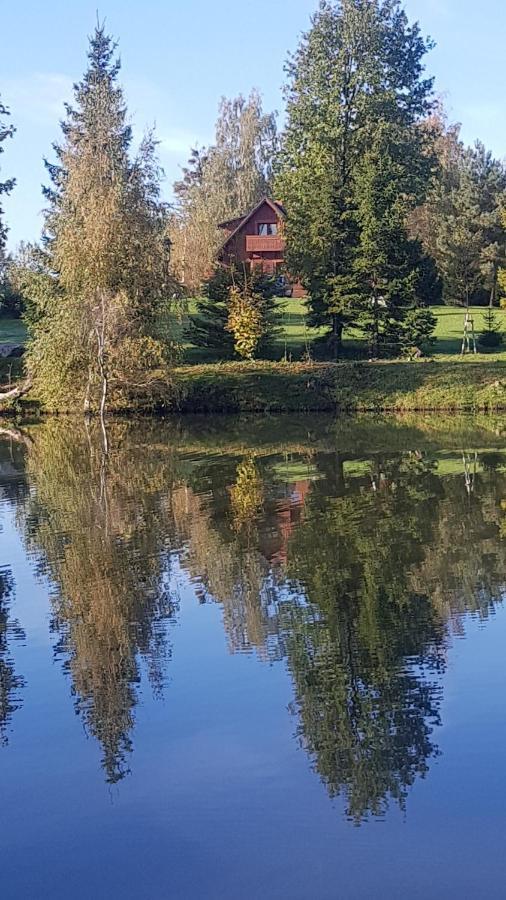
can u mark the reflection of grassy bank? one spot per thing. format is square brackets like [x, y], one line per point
[265, 386]
[289, 435]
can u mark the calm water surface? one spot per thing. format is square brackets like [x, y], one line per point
[253, 659]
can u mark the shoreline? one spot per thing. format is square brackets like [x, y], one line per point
[264, 387]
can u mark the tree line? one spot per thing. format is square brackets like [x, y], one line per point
[388, 213]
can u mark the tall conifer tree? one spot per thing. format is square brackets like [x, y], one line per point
[6, 131]
[96, 330]
[357, 71]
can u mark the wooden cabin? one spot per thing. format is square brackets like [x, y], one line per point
[256, 239]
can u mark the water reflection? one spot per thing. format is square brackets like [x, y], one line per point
[92, 521]
[355, 567]
[10, 682]
[12, 488]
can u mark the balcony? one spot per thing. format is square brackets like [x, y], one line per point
[272, 244]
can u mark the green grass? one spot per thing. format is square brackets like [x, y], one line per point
[296, 337]
[450, 328]
[265, 386]
[447, 382]
[12, 331]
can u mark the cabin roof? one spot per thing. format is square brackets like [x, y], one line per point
[243, 220]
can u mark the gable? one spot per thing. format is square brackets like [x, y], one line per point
[266, 211]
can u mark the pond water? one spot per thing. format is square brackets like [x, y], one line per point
[253, 659]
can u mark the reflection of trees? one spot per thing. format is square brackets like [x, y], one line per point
[229, 570]
[366, 713]
[13, 487]
[13, 483]
[388, 565]
[357, 580]
[95, 525]
[10, 683]
[464, 566]
[367, 728]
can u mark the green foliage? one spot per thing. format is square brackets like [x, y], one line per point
[11, 300]
[356, 75]
[418, 329]
[467, 237]
[6, 131]
[98, 289]
[386, 257]
[430, 286]
[491, 337]
[107, 575]
[245, 322]
[209, 324]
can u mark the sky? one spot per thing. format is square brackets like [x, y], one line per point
[180, 56]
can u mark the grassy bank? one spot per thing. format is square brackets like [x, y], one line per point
[296, 338]
[447, 382]
[399, 386]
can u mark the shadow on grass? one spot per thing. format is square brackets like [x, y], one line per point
[356, 386]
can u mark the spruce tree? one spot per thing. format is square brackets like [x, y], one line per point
[360, 66]
[492, 337]
[96, 332]
[209, 325]
[386, 259]
[6, 131]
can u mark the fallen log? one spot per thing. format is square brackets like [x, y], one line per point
[16, 434]
[14, 393]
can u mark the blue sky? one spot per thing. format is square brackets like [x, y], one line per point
[180, 56]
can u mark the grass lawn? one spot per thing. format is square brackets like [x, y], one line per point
[450, 328]
[296, 337]
[12, 331]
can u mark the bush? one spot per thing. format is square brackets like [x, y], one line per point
[209, 325]
[491, 337]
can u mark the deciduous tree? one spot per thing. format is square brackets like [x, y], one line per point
[98, 333]
[221, 182]
[6, 131]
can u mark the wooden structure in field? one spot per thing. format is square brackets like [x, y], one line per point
[257, 241]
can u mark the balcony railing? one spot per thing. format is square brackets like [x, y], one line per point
[271, 244]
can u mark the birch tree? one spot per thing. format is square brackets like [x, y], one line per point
[97, 332]
[222, 182]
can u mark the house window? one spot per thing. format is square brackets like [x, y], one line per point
[267, 229]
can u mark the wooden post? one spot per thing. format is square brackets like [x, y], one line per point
[469, 335]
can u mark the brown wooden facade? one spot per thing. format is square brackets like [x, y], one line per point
[257, 240]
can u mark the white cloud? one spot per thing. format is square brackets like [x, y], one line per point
[177, 141]
[38, 97]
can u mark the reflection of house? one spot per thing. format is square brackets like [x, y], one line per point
[289, 514]
[257, 240]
